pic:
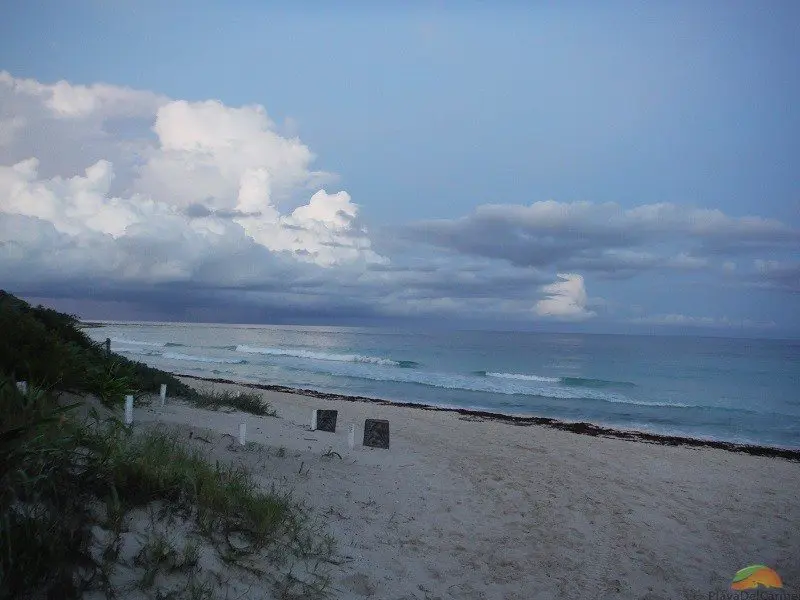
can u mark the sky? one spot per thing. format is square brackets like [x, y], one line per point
[572, 166]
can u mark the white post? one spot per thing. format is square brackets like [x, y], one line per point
[163, 394]
[128, 410]
[22, 386]
[242, 433]
[314, 420]
[351, 436]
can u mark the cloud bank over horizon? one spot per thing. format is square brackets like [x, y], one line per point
[112, 196]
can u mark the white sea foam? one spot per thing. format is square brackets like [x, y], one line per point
[137, 351]
[455, 381]
[203, 359]
[137, 342]
[505, 386]
[297, 353]
[522, 377]
[178, 356]
[517, 372]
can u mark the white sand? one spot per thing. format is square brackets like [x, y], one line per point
[460, 508]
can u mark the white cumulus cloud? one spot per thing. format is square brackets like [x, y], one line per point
[107, 192]
[206, 150]
[565, 299]
[143, 169]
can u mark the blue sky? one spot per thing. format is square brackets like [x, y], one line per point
[423, 113]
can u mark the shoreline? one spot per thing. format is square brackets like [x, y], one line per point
[466, 507]
[580, 428]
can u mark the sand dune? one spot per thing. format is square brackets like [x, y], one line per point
[461, 507]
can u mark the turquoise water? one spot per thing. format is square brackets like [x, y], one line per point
[727, 389]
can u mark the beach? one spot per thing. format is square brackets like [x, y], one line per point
[720, 389]
[463, 506]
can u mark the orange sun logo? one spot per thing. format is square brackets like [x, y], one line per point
[753, 576]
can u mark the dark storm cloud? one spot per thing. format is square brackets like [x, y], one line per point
[80, 223]
[605, 237]
[260, 285]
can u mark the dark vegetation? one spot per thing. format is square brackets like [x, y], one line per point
[48, 347]
[45, 346]
[66, 471]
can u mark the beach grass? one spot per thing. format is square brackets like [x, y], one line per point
[250, 402]
[69, 471]
[139, 469]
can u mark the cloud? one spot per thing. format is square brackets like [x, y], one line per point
[679, 320]
[206, 211]
[73, 205]
[207, 180]
[184, 205]
[605, 238]
[68, 127]
[232, 157]
[67, 101]
[779, 275]
[130, 197]
[566, 299]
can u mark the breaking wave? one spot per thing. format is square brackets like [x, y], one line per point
[349, 358]
[208, 359]
[137, 342]
[568, 381]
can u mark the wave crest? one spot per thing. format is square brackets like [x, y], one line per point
[137, 342]
[586, 382]
[179, 356]
[204, 359]
[297, 353]
[523, 377]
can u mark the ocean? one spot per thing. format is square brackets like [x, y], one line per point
[736, 390]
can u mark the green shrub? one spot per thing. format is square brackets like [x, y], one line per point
[41, 344]
[41, 512]
[53, 468]
[110, 380]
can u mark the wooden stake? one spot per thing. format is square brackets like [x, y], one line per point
[314, 420]
[128, 410]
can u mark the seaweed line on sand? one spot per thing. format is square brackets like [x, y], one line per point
[581, 428]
